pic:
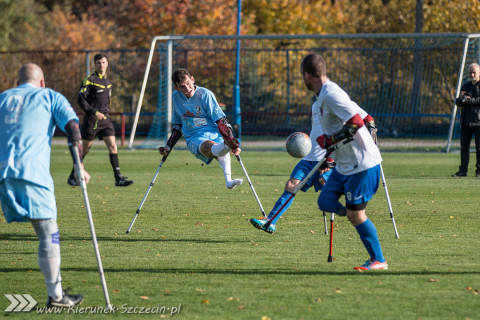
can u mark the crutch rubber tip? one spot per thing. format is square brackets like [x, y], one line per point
[330, 259]
[127, 231]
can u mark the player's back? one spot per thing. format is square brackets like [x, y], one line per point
[28, 115]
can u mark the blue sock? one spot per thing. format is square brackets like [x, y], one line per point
[280, 202]
[368, 234]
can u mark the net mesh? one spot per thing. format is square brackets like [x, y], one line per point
[407, 83]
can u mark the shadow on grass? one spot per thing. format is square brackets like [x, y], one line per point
[33, 237]
[256, 271]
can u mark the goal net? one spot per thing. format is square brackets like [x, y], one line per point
[407, 82]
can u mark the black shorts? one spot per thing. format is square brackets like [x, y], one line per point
[92, 128]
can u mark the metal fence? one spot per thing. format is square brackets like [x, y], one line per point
[406, 81]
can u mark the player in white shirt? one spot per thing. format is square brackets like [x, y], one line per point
[357, 171]
[198, 117]
[303, 168]
[29, 114]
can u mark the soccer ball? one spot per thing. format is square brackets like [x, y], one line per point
[298, 144]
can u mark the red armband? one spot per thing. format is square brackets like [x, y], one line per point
[355, 122]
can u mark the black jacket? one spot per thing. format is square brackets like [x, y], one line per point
[470, 115]
[95, 94]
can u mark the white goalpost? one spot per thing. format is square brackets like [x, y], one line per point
[169, 40]
[459, 85]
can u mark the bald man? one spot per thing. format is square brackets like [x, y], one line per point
[29, 114]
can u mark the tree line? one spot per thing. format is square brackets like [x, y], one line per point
[110, 24]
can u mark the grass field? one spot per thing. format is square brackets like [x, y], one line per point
[192, 247]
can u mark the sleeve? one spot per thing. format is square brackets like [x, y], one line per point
[342, 106]
[212, 107]
[61, 109]
[83, 97]
[362, 113]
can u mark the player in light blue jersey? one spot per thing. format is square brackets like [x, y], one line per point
[198, 117]
[29, 114]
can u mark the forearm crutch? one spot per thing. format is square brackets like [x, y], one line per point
[325, 222]
[146, 194]
[330, 254]
[330, 150]
[251, 185]
[83, 185]
[388, 201]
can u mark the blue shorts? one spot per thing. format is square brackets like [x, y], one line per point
[357, 188]
[301, 171]
[194, 143]
[22, 201]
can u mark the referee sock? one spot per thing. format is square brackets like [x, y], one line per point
[369, 237]
[282, 201]
[115, 165]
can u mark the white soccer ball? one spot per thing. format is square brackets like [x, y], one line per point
[298, 144]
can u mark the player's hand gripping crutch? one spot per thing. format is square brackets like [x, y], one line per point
[83, 185]
[251, 185]
[330, 150]
[146, 194]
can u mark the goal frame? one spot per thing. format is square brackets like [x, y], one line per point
[171, 39]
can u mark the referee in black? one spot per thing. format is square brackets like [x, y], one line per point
[94, 99]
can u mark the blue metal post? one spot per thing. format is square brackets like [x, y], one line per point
[237, 120]
[87, 63]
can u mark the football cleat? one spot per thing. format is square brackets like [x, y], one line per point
[122, 182]
[459, 174]
[68, 300]
[372, 265]
[260, 224]
[232, 184]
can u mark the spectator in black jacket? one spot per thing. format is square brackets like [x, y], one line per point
[469, 101]
[94, 99]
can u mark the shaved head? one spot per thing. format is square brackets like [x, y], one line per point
[31, 73]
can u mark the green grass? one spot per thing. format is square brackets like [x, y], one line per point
[192, 244]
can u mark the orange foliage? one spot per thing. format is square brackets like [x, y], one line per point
[62, 31]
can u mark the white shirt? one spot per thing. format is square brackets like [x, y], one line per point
[333, 108]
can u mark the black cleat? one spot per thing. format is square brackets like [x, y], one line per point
[122, 182]
[459, 174]
[72, 181]
[68, 300]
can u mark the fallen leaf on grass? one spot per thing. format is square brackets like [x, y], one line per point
[318, 300]
[233, 299]
[241, 307]
[144, 297]
[434, 280]
[338, 290]
[266, 318]
[205, 301]
[115, 291]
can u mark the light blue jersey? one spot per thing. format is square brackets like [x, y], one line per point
[28, 116]
[197, 114]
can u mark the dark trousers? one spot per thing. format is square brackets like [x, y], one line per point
[465, 139]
